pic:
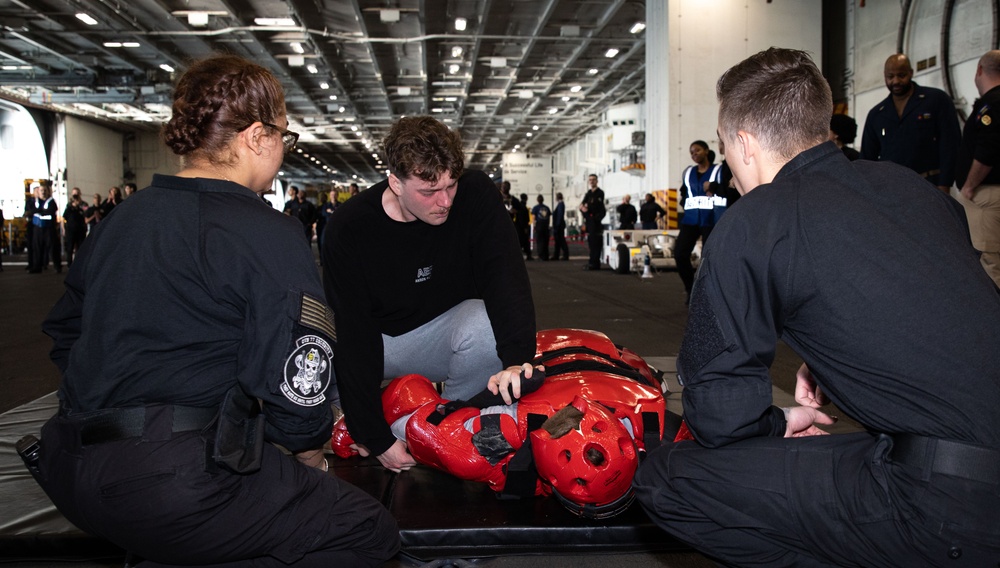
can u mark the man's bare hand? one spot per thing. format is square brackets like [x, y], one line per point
[396, 458]
[802, 422]
[509, 376]
[807, 392]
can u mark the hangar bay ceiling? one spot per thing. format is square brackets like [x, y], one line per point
[524, 75]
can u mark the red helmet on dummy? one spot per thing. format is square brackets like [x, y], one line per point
[588, 457]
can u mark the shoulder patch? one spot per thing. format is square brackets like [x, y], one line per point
[315, 314]
[308, 371]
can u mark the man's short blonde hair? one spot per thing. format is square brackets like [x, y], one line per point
[779, 96]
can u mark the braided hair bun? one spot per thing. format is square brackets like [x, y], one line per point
[216, 98]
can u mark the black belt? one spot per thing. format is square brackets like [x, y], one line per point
[120, 423]
[937, 455]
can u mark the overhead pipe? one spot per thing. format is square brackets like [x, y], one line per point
[996, 25]
[347, 38]
[903, 17]
[949, 5]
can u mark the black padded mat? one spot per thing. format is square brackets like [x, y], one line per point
[30, 525]
[439, 515]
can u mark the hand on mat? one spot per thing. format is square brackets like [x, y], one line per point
[396, 458]
[802, 422]
[807, 392]
[510, 376]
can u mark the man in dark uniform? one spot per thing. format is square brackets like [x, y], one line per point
[292, 204]
[867, 297]
[978, 179]
[447, 296]
[593, 211]
[74, 224]
[542, 215]
[914, 126]
[627, 215]
[559, 228]
[522, 221]
[650, 211]
[45, 233]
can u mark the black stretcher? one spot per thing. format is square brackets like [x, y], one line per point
[439, 515]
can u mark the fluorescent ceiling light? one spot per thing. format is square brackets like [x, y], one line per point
[112, 44]
[457, 51]
[460, 24]
[198, 18]
[575, 89]
[166, 68]
[565, 99]
[592, 71]
[324, 85]
[86, 18]
[637, 27]
[333, 97]
[611, 52]
[288, 22]
[454, 68]
[297, 48]
[529, 135]
[312, 68]
[535, 127]
[130, 44]
[553, 110]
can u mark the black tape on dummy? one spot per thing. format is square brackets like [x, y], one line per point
[486, 399]
[489, 440]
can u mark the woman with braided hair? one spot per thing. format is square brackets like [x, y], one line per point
[187, 349]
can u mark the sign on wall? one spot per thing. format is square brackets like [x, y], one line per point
[528, 173]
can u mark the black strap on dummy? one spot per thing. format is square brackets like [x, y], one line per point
[577, 349]
[522, 476]
[589, 365]
[486, 399]
[651, 432]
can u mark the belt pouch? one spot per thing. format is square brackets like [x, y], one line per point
[239, 435]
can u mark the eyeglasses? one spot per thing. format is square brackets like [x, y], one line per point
[288, 138]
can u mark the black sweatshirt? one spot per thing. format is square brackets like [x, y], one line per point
[385, 276]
